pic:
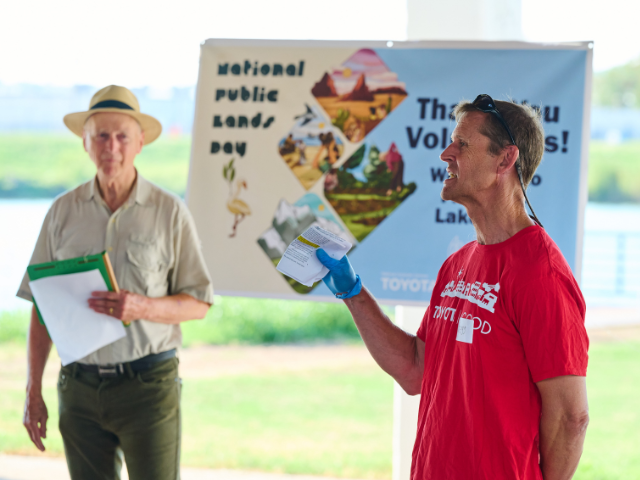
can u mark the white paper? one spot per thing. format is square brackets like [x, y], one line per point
[465, 330]
[299, 260]
[75, 329]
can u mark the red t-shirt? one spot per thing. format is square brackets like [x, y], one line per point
[501, 318]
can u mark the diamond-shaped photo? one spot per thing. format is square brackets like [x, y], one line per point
[364, 193]
[311, 147]
[359, 94]
[289, 221]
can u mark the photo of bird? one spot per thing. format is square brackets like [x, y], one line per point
[307, 116]
[237, 207]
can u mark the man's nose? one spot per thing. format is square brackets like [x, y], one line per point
[113, 144]
[446, 155]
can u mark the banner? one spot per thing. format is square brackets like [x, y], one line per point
[347, 136]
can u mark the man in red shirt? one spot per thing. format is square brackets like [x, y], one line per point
[500, 358]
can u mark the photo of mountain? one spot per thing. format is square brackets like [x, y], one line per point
[359, 94]
[289, 221]
[311, 147]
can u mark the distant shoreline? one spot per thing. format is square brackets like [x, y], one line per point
[43, 165]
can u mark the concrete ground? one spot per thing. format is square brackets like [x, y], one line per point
[202, 362]
[603, 318]
[15, 467]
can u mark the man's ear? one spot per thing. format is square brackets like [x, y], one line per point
[141, 141]
[84, 140]
[508, 158]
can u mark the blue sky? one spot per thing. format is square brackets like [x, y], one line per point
[318, 207]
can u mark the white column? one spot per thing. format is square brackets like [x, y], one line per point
[443, 20]
[405, 407]
[464, 20]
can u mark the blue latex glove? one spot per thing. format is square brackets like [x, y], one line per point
[341, 279]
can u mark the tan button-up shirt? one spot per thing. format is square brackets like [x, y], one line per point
[152, 244]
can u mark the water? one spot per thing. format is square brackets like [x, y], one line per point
[611, 266]
[20, 222]
[611, 259]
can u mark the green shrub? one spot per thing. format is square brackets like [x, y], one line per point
[614, 172]
[241, 321]
[14, 325]
[253, 321]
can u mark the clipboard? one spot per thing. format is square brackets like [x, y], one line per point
[99, 262]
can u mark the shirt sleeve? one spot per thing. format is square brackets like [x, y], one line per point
[43, 252]
[422, 331]
[550, 315]
[190, 274]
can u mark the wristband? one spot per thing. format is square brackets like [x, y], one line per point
[353, 292]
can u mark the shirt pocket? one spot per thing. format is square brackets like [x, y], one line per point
[73, 251]
[147, 266]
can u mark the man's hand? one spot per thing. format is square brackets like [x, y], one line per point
[127, 306]
[35, 411]
[124, 305]
[35, 418]
[341, 277]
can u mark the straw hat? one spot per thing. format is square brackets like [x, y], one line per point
[119, 100]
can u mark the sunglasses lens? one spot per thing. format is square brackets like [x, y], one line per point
[484, 103]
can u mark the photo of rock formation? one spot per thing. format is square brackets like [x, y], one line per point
[359, 94]
[289, 221]
[324, 88]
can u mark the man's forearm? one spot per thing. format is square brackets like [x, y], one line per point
[174, 309]
[563, 425]
[38, 348]
[561, 444]
[398, 353]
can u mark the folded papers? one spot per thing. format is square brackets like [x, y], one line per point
[300, 261]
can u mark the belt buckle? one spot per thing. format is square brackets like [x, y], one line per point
[110, 372]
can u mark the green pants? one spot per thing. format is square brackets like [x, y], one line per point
[135, 414]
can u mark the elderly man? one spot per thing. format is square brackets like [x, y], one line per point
[124, 397]
[502, 375]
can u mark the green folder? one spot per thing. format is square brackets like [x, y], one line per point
[99, 262]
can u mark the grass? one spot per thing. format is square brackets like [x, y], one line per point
[614, 172]
[336, 423]
[13, 436]
[43, 165]
[613, 436]
[319, 423]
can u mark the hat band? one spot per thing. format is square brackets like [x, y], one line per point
[111, 104]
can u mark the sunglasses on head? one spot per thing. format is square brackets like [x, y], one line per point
[485, 104]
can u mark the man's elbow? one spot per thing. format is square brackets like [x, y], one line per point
[572, 425]
[576, 423]
[412, 390]
[412, 379]
[411, 385]
[202, 310]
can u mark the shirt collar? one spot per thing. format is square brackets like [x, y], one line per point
[141, 191]
[139, 194]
